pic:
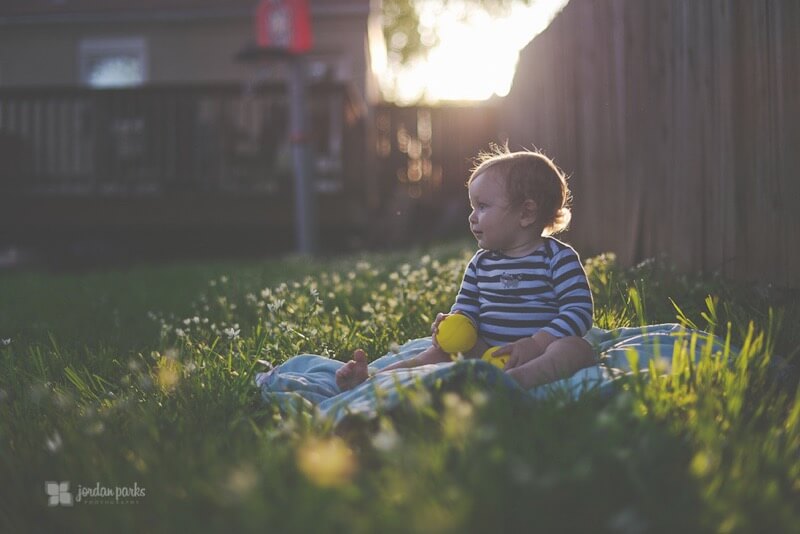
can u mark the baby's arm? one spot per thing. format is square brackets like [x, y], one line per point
[467, 304]
[434, 353]
[574, 298]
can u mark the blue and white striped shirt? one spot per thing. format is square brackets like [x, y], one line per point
[511, 298]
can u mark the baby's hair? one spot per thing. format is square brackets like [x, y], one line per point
[530, 175]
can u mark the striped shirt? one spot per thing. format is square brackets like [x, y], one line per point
[511, 298]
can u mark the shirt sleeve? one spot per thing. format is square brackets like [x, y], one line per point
[574, 298]
[467, 300]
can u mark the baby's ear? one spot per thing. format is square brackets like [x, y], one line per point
[529, 212]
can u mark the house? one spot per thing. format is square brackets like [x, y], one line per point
[96, 42]
[137, 116]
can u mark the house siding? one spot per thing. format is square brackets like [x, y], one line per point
[189, 50]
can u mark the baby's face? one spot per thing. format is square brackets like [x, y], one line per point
[493, 221]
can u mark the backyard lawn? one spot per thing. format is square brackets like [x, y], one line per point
[136, 387]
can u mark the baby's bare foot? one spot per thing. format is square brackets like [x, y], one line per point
[353, 372]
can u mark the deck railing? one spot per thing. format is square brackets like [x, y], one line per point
[149, 140]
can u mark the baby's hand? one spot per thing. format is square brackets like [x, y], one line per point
[435, 326]
[520, 352]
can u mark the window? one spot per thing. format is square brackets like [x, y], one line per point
[113, 62]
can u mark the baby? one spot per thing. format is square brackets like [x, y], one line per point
[523, 290]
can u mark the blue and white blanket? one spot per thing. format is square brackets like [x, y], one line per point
[308, 381]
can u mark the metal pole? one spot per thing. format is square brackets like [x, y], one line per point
[305, 214]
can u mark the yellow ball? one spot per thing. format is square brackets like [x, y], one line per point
[497, 361]
[456, 334]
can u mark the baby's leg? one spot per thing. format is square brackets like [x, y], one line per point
[353, 372]
[561, 359]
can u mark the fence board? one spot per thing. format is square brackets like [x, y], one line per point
[680, 122]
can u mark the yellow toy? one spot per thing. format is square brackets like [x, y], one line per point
[456, 334]
[497, 361]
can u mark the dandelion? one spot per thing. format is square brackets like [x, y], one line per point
[327, 462]
[54, 443]
[180, 332]
[5, 342]
[167, 373]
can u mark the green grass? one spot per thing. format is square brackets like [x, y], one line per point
[145, 377]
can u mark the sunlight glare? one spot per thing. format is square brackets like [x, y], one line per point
[476, 56]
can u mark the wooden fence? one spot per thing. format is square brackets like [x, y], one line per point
[679, 121]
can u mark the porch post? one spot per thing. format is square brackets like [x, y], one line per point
[304, 191]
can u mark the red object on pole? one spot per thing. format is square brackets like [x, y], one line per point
[284, 24]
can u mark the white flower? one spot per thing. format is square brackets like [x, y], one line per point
[232, 333]
[54, 443]
[179, 332]
[5, 342]
[385, 440]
